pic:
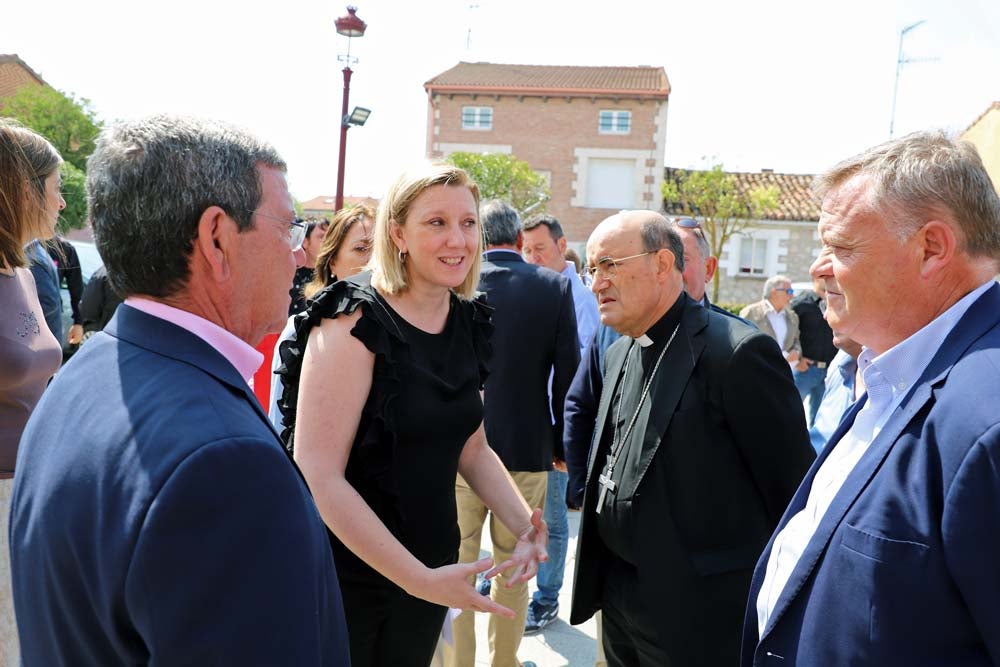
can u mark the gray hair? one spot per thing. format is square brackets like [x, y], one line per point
[773, 283]
[150, 180]
[922, 175]
[501, 223]
[658, 233]
[555, 229]
[699, 238]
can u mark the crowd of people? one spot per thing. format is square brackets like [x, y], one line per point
[441, 363]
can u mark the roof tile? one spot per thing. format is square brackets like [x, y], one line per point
[648, 81]
[795, 200]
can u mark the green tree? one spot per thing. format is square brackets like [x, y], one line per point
[69, 123]
[723, 207]
[502, 176]
[74, 191]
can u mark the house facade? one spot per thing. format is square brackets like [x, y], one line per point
[324, 206]
[984, 134]
[783, 241]
[597, 134]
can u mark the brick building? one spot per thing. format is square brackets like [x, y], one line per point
[984, 134]
[14, 75]
[597, 134]
[786, 241]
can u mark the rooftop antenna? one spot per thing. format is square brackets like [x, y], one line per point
[468, 34]
[900, 61]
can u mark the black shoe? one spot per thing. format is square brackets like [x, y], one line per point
[540, 615]
[483, 586]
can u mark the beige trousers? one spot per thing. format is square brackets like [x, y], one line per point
[504, 633]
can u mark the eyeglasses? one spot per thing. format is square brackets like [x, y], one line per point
[609, 265]
[789, 291]
[687, 223]
[296, 233]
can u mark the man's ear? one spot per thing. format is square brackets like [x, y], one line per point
[711, 264]
[561, 244]
[215, 244]
[519, 241]
[665, 262]
[938, 245]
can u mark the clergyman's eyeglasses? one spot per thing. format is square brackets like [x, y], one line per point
[608, 266]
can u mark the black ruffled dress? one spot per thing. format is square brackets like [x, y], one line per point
[423, 405]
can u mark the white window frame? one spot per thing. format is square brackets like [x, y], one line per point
[617, 115]
[481, 118]
[775, 256]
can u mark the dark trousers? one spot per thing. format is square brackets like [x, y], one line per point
[388, 627]
[630, 633]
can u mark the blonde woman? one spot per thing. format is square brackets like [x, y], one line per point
[30, 201]
[387, 371]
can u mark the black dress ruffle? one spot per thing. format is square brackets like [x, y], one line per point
[374, 447]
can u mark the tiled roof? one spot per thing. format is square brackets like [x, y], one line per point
[328, 203]
[795, 200]
[642, 81]
[15, 73]
[995, 105]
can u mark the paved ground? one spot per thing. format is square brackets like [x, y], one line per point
[559, 644]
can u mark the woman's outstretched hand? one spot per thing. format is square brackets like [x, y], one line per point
[452, 586]
[529, 552]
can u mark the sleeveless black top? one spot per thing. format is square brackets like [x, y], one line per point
[423, 405]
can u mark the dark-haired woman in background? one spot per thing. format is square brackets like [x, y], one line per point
[344, 251]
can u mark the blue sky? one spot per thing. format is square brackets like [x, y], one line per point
[791, 85]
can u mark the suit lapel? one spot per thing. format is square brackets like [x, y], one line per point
[675, 372]
[981, 316]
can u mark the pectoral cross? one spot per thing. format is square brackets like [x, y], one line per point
[606, 484]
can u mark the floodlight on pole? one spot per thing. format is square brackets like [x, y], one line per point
[349, 26]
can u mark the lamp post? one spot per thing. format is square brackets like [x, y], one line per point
[349, 26]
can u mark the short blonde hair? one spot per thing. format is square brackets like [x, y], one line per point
[388, 272]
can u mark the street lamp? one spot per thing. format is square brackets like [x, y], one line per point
[349, 26]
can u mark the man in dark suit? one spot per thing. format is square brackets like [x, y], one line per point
[534, 336]
[156, 519]
[888, 553]
[701, 442]
[818, 349]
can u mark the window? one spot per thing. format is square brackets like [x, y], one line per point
[614, 122]
[477, 118]
[753, 256]
[610, 183]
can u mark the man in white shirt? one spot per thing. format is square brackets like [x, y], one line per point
[887, 554]
[772, 316]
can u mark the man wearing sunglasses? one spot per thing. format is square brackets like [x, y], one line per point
[773, 316]
[700, 442]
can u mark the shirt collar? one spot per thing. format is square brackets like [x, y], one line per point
[241, 355]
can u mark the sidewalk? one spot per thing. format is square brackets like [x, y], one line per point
[560, 644]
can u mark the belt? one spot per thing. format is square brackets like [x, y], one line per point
[820, 364]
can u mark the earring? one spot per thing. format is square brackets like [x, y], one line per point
[402, 257]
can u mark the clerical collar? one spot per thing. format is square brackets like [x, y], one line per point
[661, 330]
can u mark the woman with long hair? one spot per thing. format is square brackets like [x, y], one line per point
[344, 251]
[387, 371]
[30, 201]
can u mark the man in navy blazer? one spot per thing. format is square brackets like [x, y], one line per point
[888, 553]
[156, 519]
